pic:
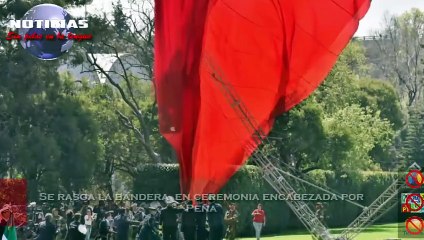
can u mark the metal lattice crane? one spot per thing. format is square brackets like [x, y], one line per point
[385, 202]
[378, 208]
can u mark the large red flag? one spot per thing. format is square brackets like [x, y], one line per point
[179, 26]
[273, 53]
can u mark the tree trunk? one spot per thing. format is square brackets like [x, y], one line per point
[109, 188]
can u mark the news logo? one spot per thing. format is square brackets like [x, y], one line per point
[47, 31]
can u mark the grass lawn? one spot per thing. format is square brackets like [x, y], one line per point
[376, 232]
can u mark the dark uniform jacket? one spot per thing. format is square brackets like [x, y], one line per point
[73, 233]
[168, 216]
[122, 227]
[47, 231]
[215, 215]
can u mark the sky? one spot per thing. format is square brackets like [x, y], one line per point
[375, 15]
[372, 20]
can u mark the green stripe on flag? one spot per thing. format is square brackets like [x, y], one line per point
[10, 233]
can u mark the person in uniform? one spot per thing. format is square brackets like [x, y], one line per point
[150, 227]
[231, 218]
[215, 220]
[320, 211]
[100, 210]
[60, 224]
[105, 228]
[168, 220]
[75, 231]
[200, 216]
[69, 219]
[47, 230]
[122, 225]
[188, 221]
[133, 212]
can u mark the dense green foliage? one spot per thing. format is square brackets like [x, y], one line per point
[413, 135]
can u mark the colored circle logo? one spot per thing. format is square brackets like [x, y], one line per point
[414, 179]
[413, 203]
[414, 225]
[34, 28]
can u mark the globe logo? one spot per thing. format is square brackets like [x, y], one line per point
[42, 48]
[414, 179]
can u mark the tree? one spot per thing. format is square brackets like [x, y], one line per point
[120, 146]
[347, 124]
[401, 54]
[134, 30]
[353, 133]
[300, 137]
[47, 132]
[413, 137]
[346, 86]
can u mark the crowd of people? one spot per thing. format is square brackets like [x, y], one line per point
[110, 221]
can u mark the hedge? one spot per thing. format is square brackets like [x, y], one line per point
[163, 179]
